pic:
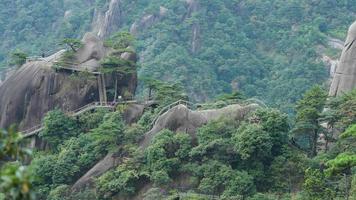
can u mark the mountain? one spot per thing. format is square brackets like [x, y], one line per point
[270, 49]
[177, 99]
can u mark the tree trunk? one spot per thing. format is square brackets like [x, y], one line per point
[115, 94]
[315, 143]
[72, 47]
[150, 93]
[347, 183]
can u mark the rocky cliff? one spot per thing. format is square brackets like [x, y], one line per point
[38, 87]
[106, 23]
[182, 119]
[345, 75]
[177, 119]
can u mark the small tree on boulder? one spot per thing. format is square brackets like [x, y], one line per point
[73, 44]
[18, 58]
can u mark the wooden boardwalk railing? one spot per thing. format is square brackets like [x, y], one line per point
[78, 70]
[68, 65]
[36, 129]
[168, 107]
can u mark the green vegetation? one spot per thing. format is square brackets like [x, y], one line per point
[164, 93]
[261, 157]
[77, 153]
[309, 110]
[120, 66]
[18, 58]
[15, 178]
[58, 127]
[266, 49]
[117, 66]
[120, 41]
[37, 27]
[73, 44]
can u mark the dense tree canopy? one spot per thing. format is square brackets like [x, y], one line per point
[15, 177]
[225, 51]
[269, 49]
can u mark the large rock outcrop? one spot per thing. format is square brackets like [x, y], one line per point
[182, 119]
[106, 23]
[36, 88]
[177, 119]
[147, 21]
[344, 78]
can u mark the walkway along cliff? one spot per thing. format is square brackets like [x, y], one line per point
[41, 85]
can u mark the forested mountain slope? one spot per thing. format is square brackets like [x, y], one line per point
[270, 49]
[35, 26]
[224, 147]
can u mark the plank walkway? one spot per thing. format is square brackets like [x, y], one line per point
[61, 67]
[95, 105]
[168, 107]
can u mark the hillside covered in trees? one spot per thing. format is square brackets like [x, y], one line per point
[231, 103]
[269, 49]
[259, 157]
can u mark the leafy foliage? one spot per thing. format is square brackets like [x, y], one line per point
[124, 182]
[16, 182]
[252, 141]
[341, 111]
[165, 155]
[18, 58]
[58, 127]
[239, 45]
[309, 110]
[78, 154]
[37, 27]
[73, 44]
[249, 159]
[316, 186]
[120, 40]
[10, 145]
[113, 64]
[164, 93]
[15, 178]
[244, 46]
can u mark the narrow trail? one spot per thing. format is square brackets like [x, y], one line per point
[92, 106]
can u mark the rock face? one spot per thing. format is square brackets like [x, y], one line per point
[107, 23]
[148, 21]
[182, 119]
[345, 75]
[100, 168]
[36, 88]
[193, 6]
[93, 50]
[332, 65]
[177, 119]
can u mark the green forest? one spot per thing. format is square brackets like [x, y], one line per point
[264, 157]
[269, 49]
[298, 144]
